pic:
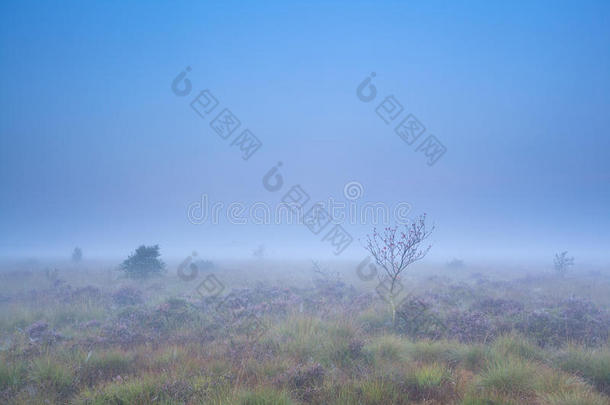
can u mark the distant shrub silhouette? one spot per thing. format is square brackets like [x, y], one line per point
[562, 262]
[143, 263]
[77, 255]
[204, 265]
[259, 253]
[455, 264]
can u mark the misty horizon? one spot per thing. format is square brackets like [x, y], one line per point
[99, 150]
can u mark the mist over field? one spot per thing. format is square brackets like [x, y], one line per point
[305, 202]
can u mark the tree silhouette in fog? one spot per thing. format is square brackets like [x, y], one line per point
[143, 263]
[562, 262]
[395, 250]
[77, 255]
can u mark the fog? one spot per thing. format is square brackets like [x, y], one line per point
[285, 203]
[98, 151]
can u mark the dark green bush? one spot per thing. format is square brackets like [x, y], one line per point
[143, 263]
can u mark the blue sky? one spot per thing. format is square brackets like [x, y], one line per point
[96, 150]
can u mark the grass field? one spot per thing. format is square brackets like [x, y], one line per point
[279, 333]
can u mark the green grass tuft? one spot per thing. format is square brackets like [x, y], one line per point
[474, 358]
[511, 377]
[592, 365]
[106, 365]
[387, 348]
[518, 346]
[434, 352]
[575, 398]
[12, 375]
[430, 376]
[265, 396]
[52, 375]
